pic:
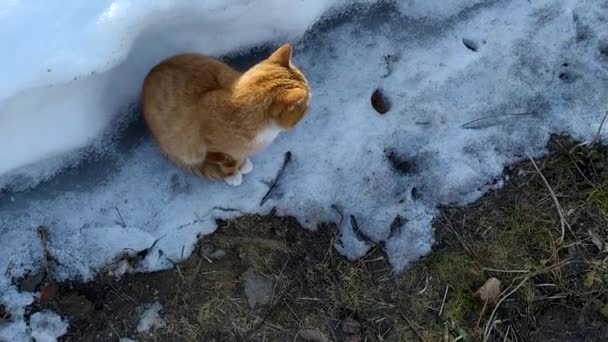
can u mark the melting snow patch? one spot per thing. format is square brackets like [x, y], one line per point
[150, 318]
[47, 326]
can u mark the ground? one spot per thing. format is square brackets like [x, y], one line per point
[542, 235]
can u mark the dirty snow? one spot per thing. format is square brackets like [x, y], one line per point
[47, 326]
[474, 87]
[150, 318]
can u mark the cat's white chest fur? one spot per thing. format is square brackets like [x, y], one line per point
[266, 136]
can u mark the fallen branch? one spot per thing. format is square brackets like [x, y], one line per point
[274, 183]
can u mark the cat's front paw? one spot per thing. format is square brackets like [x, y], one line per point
[234, 180]
[246, 167]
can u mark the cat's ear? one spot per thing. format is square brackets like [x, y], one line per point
[282, 56]
[291, 97]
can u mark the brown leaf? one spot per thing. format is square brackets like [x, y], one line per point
[47, 292]
[489, 293]
[380, 102]
[312, 335]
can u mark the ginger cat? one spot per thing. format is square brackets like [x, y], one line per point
[208, 118]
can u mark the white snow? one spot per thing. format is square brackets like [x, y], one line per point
[474, 86]
[150, 318]
[79, 63]
[47, 326]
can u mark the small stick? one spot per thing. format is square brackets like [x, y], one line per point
[335, 207]
[483, 311]
[44, 241]
[411, 326]
[560, 210]
[274, 183]
[504, 271]
[596, 138]
[468, 124]
[445, 296]
[488, 328]
[360, 234]
[121, 220]
[426, 285]
[599, 130]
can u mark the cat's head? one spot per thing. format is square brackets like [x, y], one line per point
[283, 85]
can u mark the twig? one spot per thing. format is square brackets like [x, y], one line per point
[489, 324]
[563, 222]
[458, 237]
[507, 334]
[274, 183]
[599, 130]
[412, 326]
[483, 311]
[596, 138]
[445, 296]
[121, 220]
[335, 207]
[44, 241]
[359, 233]
[503, 271]
[426, 285]
[467, 125]
[226, 209]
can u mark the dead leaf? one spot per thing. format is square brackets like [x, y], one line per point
[489, 293]
[380, 102]
[597, 241]
[47, 292]
[312, 335]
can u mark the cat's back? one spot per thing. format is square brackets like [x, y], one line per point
[173, 89]
[171, 99]
[186, 75]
